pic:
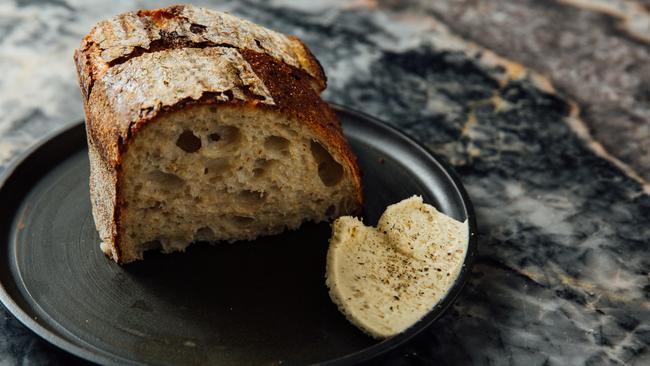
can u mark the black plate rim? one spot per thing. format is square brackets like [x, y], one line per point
[353, 358]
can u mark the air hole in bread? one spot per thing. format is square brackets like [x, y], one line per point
[277, 144]
[242, 220]
[261, 167]
[225, 136]
[250, 198]
[205, 234]
[329, 171]
[188, 142]
[216, 168]
[167, 180]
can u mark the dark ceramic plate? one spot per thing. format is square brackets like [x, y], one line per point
[261, 302]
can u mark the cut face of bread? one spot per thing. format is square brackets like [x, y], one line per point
[384, 280]
[225, 173]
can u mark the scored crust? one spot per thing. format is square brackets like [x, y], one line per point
[121, 66]
[128, 35]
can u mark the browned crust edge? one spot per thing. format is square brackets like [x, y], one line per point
[293, 96]
[315, 66]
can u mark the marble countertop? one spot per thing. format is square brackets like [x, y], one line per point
[542, 107]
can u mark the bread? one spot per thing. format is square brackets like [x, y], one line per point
[384, 280]
[203, 126]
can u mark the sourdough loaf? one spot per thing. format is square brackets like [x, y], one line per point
[204, 126]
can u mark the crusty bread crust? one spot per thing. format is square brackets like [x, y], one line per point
[121, 64]
[128, 35]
